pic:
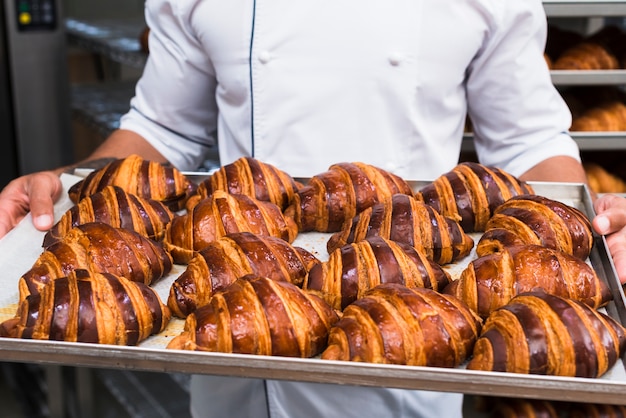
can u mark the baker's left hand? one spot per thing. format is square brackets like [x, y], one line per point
[610, 221]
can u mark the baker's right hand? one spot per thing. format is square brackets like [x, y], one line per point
[36, 193]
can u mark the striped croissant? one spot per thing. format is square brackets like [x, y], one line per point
[230, 257]
[147, 179]
[257, 315]
[334, 197]
[490, 281]
[538, 220]
[90, 308]
[405, 219]
[538, 333]
[394, 324]
[470, 193]
[113, 206]
[250, 177]
[98, 248]
[221, 214]
[355, 268]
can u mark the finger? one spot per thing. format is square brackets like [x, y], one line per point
[617, 247]
[44, 190]
[611, 214]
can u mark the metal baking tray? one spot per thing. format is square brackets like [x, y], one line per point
[21, 247]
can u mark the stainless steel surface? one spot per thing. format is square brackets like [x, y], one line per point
[153, 356]
[582, 8]
[117, 39]
[588, 77]
[587, 141]
[39, 82]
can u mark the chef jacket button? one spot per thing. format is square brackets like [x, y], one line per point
[395, 58]
[264, 57]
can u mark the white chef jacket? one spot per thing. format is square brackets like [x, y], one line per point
[304, 84]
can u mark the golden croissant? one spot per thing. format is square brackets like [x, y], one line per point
[394, 324]
[538, 333]
[405, 219]
[538, 220]
[355, 268]
[113, 206]
[91, 308]
[470, 192]
[251, 177]
[147, 179]
[490, 281]
[220, 214]
[98, 247]
[334, 197]
[257, 315]
[230, 257]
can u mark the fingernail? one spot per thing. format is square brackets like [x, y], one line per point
[43, 221]
[602, 224]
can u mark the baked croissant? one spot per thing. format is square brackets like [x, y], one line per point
[147, 179]
[251, 177]
[98, 247]
[596, 410]
[405, 219]
[257, 315]
[496, 407]
[538, 333]
[604, 117]
[394, 324]
[490, 281]
[232, 256]
[91, 308]
[355, 268]
[471, 192]
[220, 214]
[334, 197]
[586, 55]
[538, 220]
[113, 206]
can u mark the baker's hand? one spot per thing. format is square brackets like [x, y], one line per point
[36, 192]
[610, 220]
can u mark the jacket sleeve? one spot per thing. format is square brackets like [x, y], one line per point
[518, 116]
[174, 105]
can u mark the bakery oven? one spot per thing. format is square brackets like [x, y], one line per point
[35, 127]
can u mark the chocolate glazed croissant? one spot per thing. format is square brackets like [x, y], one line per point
[405, 219]
[533, 219]
[355, 268]
[394, 324]
[147, 179]
[257, 315]
[220, 214]
[334, 197]
[538, 333]
[98, 247]
[232, 256]
[113, 206]
[490, 281]
[250, 177]
[471, 192]
[90, 308]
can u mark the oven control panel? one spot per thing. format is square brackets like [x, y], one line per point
[36, 15]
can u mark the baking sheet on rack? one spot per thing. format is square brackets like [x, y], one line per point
[21, 247]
